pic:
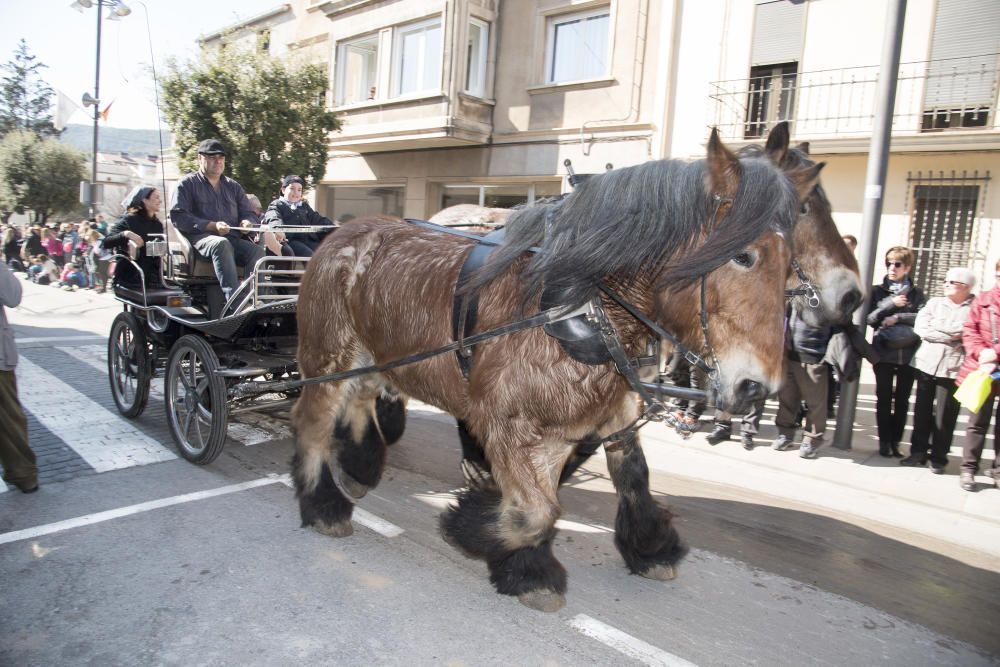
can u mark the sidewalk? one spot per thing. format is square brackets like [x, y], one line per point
[856, 484]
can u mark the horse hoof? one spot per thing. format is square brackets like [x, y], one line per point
[352, 487]
[543, 600]
[339, 529]
[660, 572]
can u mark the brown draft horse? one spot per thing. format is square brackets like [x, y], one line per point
[662, 234]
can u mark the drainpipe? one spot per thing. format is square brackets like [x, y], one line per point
[878, 160]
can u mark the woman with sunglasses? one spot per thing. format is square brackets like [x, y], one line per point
[981, 339]
[937, 362]
[892, 313]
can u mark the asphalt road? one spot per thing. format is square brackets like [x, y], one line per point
[131, 556]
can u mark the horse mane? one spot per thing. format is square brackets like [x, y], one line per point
[647, 220]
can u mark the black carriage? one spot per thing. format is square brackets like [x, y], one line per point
[203, 345]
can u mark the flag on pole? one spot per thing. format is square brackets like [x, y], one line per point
[65, 108]
[104, 114]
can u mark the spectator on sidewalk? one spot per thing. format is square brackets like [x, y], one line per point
[749, 425]
[685, 418]
[894, 306]
[806, 379]
[18, 461]
[981, 340]
[937, 362]
[72, 278]
[54, 247]
[32, 245]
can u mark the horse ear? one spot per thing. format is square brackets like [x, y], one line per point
[805, 179]
[804, 147]
[776, 147]
[724, 169]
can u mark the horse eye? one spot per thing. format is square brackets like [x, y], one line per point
[805, 208]
[744, 259]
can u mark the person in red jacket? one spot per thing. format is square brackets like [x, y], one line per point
[981, 340]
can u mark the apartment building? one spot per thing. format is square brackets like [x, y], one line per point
[481, 101]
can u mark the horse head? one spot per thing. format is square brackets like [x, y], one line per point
[825, 261]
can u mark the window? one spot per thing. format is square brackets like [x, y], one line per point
[264, 40]
[577, 46]
[344, 203]
[505, 195]
[477, 49]
[943, 226]
[417, 58]
[358, 70]
[770, 97]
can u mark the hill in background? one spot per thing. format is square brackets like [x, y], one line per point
[115, 140]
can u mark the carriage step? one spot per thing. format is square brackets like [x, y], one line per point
[241, 372]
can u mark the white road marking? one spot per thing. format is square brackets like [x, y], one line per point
[250, 430]
[103, 439]
[55, 339]
[99, 517]
[365, 518]
[625, 643]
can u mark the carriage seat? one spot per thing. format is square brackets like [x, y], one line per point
[154, 297]
[188, 263]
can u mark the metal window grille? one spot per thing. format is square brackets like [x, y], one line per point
[945, 228]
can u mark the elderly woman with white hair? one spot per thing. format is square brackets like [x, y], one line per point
[937, 362]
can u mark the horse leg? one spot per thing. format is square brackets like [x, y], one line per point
[512, 530]
[644, 532]
[390, 415]
[322, 503]
[475, 467]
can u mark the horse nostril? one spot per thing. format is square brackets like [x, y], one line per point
[850, 302]
[751, 390]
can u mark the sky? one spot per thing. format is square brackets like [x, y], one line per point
[65, 40]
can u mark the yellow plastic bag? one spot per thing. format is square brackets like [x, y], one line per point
[974, 389]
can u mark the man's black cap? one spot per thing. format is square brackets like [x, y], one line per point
[211, 147]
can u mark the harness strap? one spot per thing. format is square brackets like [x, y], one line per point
[544, 317]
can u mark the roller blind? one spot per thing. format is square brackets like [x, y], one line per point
[963, 67]
[777, 32]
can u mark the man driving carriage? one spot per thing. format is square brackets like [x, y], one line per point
[209, 208]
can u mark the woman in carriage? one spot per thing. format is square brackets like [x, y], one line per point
[131, 233]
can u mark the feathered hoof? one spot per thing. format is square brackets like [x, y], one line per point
[548, 601]
[660, 572]
[339, 529]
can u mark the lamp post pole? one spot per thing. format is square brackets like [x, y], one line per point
[97, 115]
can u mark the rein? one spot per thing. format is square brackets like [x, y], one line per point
[806, 288]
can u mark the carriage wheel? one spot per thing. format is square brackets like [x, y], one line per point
[130, 365]
[195, 398]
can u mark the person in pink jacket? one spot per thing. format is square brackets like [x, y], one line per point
[981, 340]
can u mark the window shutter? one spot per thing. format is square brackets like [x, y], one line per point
[777, 32]
[963, 68]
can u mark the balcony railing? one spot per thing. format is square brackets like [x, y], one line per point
[954, 94]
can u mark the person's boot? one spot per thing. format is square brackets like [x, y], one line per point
[967, 480]
[720, 433]
[894, 447]
[884, 449]
[747, 440]
[914, 461]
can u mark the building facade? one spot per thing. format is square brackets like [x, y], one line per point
[482, 101]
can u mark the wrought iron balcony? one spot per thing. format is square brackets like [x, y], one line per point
[950, 95]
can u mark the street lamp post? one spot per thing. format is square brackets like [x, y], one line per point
[118, 9]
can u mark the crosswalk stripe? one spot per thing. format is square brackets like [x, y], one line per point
[249, 429]
[633, 647]
[103, 439]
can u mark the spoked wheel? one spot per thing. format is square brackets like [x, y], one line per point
[130, 365]
[195, 398]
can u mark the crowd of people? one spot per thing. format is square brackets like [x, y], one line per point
[934, 343]
[68, 255]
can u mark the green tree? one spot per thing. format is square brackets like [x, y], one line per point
[39, 175]
[270, 114]
[25, 99]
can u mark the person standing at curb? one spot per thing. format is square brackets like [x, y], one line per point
[937, 362]
[981, 339]
[19, 465]
[894, 306]
[806, 380]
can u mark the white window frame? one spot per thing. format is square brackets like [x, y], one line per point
[397, 57]
[550, 41]
[342, 61]
[476, 62]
